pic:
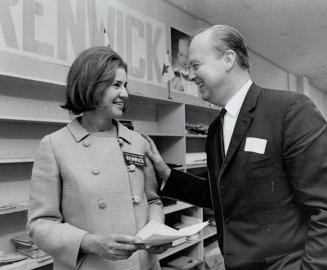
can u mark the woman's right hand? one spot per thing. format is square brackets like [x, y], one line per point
[113, 246]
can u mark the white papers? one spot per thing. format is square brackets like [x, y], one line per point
[195, 158]
[155, 233]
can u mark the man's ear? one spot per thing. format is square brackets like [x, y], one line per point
[230, 59]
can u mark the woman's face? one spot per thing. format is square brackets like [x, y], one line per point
[115, 97]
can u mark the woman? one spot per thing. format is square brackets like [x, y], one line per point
[88, 199]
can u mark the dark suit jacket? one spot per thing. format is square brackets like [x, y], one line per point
[271, 208]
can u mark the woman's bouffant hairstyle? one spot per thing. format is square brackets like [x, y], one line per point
[92, 72]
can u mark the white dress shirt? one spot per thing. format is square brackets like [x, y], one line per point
[233, 108]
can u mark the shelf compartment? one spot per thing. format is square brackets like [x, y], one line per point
[20, 141]
[178, 248]
[209, 231]
[172, 149]
[163, 119]
[41, 101]
[177, 207]
[16, 207]
[15, 183]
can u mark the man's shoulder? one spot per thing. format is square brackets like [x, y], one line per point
[277, 97]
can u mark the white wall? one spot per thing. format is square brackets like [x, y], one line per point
[318, 97]
[266, 74]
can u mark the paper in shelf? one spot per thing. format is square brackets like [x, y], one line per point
[156, 233]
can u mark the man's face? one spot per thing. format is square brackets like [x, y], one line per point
[209, 69]
[181, 59]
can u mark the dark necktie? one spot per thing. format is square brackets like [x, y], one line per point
[221, 147]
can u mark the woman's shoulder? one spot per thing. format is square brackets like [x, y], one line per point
[59, 135]
[130, 134]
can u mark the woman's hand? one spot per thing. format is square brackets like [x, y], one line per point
[162, 169]
[159, 248]
[113, 246]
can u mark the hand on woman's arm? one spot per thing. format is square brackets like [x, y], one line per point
[162, 169]
[113, 246]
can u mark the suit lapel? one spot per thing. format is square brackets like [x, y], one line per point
[243, 122]
[212, 148]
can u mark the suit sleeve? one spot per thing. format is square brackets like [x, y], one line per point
[188, 188]
[151, 192]
[45, 224]
[305, 160]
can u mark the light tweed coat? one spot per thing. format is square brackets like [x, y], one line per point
[80, 183]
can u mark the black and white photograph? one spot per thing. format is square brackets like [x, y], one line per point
[183, 80]
[163, 134]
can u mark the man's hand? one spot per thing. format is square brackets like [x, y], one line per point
[113, 246]
[162, 169]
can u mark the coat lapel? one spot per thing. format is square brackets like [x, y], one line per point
[243, 122]
[212, 148]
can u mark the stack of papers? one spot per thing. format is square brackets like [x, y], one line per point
[195, 158]
[156, 233]
[24, 245]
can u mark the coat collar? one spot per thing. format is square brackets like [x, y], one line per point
[79, 132]
[243, 121]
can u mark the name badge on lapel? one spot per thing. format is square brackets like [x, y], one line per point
[255, 145]
[137, 160]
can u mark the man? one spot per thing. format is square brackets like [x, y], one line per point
[266, 159]
[183, 80]
[180, 59]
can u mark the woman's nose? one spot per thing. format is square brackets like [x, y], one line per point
[123, 92]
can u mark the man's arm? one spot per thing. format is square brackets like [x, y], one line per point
[188, 188]
[305, 160]
[177, 184]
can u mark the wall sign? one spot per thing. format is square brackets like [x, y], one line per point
[55, 31]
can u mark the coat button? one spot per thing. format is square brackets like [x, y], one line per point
[95, 171]
[131, 168]
[120, 141]
[102, 204]
[87, 142]
[224, 191]
[136, 199]
[227, 220]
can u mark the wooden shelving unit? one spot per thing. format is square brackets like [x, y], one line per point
[178, 248]
[176, 207]
[16, 160]
[30, 109]
[28, 264]
[14, 208]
